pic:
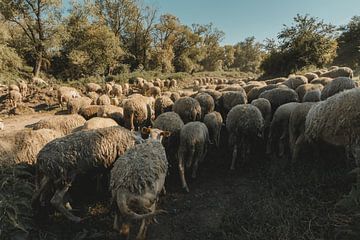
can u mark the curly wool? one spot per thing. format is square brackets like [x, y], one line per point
[295, 81]
[312, 96]
[256, 91]
[339, 72]
[265, 108]
[303, 89]
[136, 107]
[275, 80]
[311, 76]
[74, 105]
[207, 103]
[169, 121]
[188, 108]
[92, 87]
[335, 120]
[163, 104]
[63, 124]
[139, 168]
[98, 122]
[279, 96]
[82, 151]
[89, 111]
[213, 122]
[322, 80]
[103, 100]
[337, 85]
[93, 96]
[230, 99]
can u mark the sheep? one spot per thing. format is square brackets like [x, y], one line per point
[173, 83]
[99, 122]
[154, 92]
[163, 104]
[214, 122]
[136, 182]
[93, 96]
[297, 129]
[93, 87]
[275, 80]
[64, 94]
[14, 97]
[103, 100]
[265, 108]
[114, 112]
[126, 89]
[216, 95]
[194, 138]
[174, 96]
[62, 159]
[117, 90]
[234, 87]
[279, 96]
[75, 104]
[245, 125]
[38, 81]
[256, 91]
[2, 125]
[337, 85]
[207, 103]
[230, 99]
[13, 87]
[303, 89]
[279, 130]
[63, 124]
[311, 76]
[28, 144]
[321, 80]
[23, 88]
[107, 89]
[295, 81]
[146, 87]
[89, 111]
[312, 96]
[339, 72]
[137, 112]
[188, 108]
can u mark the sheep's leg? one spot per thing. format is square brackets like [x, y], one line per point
[191, 157]
[58, 202]
[296, 150]
[144, 225]
[234, 156]
[43, 184]
[182, 171]
[116, 222]
[282, 144]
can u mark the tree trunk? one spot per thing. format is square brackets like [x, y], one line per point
[37, 66]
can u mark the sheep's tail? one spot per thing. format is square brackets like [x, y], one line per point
[124, 209]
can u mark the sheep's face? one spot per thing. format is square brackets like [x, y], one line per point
[153, 133]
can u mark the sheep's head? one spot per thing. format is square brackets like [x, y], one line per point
[153, 133]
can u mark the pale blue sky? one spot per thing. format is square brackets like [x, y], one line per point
[260, 18]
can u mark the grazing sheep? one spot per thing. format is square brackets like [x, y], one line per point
[89, 111]
[163, 104]
[295, 81]
[62, 159]
[175, 96]
[311, 76]
[64, 124]
[339, 72]
[107, 89]
[256, 91]
[297, 129]
[98, 122]
[93, 87]
[75, 104]
[117, 90]
[173, 83]
[275, 80]
[103, 100]
[169, 121]
[113, 112]
[93, 96]
[214, 122]
[265, 108]
[337, 85]
[188, 108]
[28, 144]
[154, 92]
[245, 125]
[64, 95]
[279, 130]
[137, 112]
[194, 138]
[230, 99]
[303, 89]
[279, 96]
[312, 96]
[14, 97]
[322, 80]
[207, 103]
[23, 88]
[136, 182]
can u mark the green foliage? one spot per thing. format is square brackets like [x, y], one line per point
[247, 55]
[308, 42]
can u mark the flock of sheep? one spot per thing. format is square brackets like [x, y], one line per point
[137, 130]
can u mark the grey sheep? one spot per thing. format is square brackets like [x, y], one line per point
[163, 104]
[339, 72]
[188, 108]
[229, 100]
[62, 159]
[275, 80]
[303, 89]
[256, 91]
[311, 76]
[194, 138]
[279, 96]
[75, 104]
[265, 108]
[337, 85]
[312, 96]
[214, 122]
[322, 80]
[64, 124]
[136, 182]
[295, 81]
[245, 126]
[207, 103]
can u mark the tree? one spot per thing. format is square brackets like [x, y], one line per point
[248, 55]
[39, 20]
[349, 44]
[308, 41]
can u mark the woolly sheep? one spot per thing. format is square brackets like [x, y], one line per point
[279, 130]
[23, 88]
[154, 92]
[189, 109]
[279, 96]
[113, 112]
[92, 87]
[14, 97]
[194, 138]
[173, 83]
[163, 104]
[107, 89]
[174, 96]
[62, 159]
[75, 104]
[126, 89]
[93, 96]
[117, 90]
[275, 80]
[38, 81]
[98, 122]
[337, 85]
[137, 112]
[245, 125]
[322, 80]
[64, 94]
[13, 87]
[311, 76]
[256, 91]
[63, 124]
[303, 89]
[339, 72]
[136, 181]
[214, 122]
[265, 108]
[295, 81]
[234, 87]
[207, 103]
[230, 99]
[146, 87]
[312, 96]
[89, 111]
[103, 100]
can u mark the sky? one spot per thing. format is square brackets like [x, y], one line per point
[259, 18]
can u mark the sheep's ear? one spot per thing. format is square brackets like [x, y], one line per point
[165, 133]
